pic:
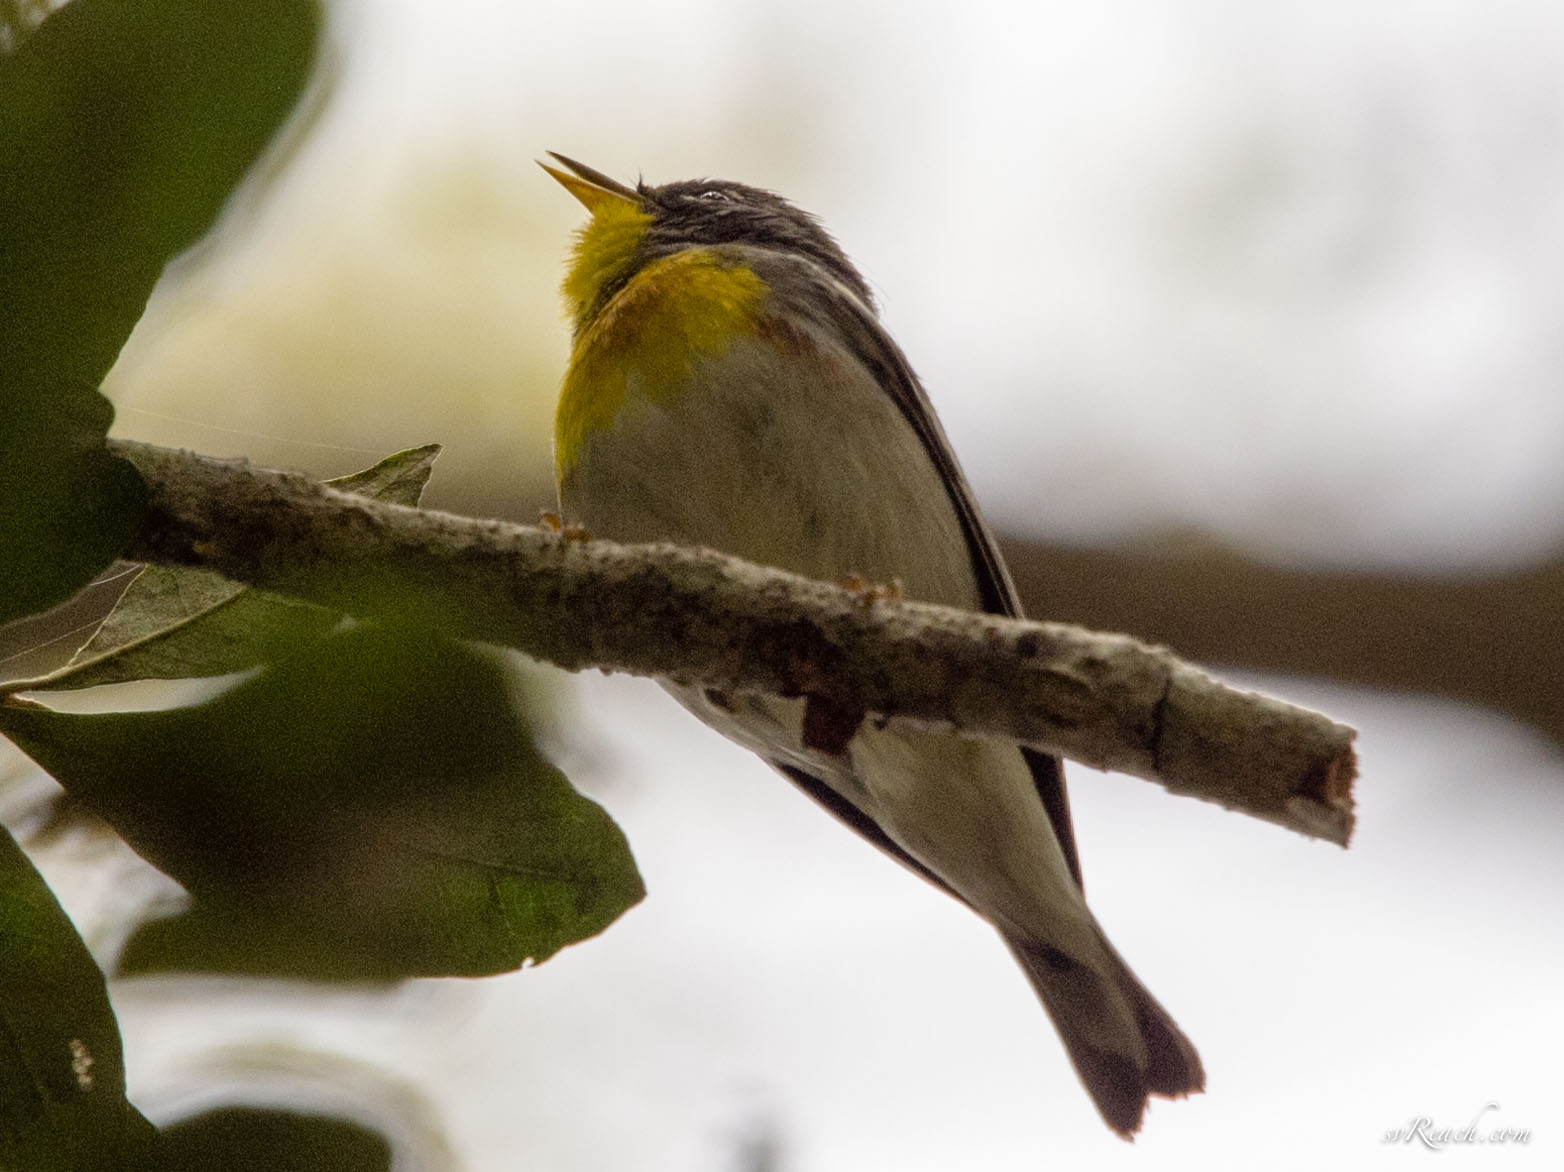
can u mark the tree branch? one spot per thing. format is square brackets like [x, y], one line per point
[699, 617]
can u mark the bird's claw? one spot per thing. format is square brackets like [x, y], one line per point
[556, 525]
[871, 592]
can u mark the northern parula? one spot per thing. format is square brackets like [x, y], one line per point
[730, 386]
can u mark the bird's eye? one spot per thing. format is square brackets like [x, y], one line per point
[715, 195]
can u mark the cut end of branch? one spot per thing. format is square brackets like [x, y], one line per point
[1324, 801]
[1274, 760]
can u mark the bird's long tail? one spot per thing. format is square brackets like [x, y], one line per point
[1123, 1044]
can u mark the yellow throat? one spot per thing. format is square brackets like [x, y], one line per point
[644, 339]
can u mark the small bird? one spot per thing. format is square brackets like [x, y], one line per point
[730, 386]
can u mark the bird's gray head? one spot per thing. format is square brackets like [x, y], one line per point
[696, 212]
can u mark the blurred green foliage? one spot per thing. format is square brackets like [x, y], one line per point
[67, 507]
[367, 802]
[124, 126]
[62, 1074]
[371, 807]
[251, 1139]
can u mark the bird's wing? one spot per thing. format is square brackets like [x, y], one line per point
[799, 284]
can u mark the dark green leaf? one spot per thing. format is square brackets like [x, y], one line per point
[123, 128]
[178, 624]
[67, 507]
[372, 809]
[252, 1139]
[62, 1076]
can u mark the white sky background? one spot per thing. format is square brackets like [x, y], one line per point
[1287, 272]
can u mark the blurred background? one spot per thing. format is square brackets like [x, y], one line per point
[1246, 321]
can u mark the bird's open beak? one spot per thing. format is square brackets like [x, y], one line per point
[594, 189]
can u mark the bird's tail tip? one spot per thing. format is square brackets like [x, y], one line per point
[1121, 1089]
[1119, 1084]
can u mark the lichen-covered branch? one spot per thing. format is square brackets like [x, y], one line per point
[700, 617]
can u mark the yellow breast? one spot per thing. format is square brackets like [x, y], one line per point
[643, 342]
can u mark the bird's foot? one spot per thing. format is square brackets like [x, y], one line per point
[871, 592]
[561, 528]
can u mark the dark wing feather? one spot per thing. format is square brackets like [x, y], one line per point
[808, 290]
